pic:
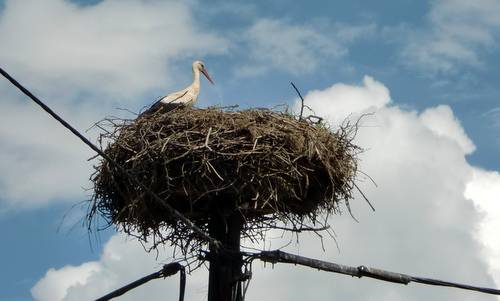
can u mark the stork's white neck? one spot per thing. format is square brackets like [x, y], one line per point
[196, 77]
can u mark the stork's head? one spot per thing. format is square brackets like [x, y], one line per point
[198, 65]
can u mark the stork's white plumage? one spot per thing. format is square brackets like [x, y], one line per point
[185, 97]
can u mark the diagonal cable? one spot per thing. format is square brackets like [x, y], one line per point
[167, 270]
[363, 271]
[169, 208]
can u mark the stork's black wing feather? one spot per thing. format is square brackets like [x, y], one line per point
[160, 106]
[166, 107]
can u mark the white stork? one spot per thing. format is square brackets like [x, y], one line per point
[185, 97]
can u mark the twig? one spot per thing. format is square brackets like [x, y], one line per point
[127, 110]
[301, 99]
[364, 196]
[208, 136]
[303, 229]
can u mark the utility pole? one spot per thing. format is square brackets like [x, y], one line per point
[225, 262]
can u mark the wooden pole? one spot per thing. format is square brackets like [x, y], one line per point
[225, 263]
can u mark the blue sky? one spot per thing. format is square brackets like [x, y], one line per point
[430, 67]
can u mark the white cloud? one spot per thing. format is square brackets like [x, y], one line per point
[441, 121]
[41, 161]
[493, 116]
[55, 284]
[484, 190]
[296, 48]
[424, 225]
[341, 101]
[457, 33]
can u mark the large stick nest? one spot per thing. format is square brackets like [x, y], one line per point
[268, 165]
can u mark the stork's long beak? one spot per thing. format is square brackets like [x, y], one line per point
[204, 71]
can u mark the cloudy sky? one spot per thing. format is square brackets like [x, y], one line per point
[427, 70]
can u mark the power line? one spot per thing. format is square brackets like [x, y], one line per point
[167, 270]
[363, 271]
[169, 208]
